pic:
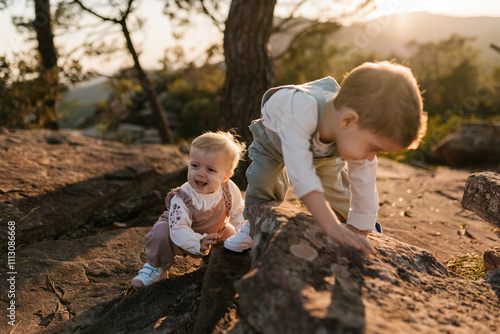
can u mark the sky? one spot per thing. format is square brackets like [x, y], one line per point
[155, 37]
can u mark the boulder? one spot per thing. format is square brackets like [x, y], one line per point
[482, 195]
[307, 283]
[475, 143]
[492, 259]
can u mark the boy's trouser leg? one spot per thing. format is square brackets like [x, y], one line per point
[335, 183]
[267, 177]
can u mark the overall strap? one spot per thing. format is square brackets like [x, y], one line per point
[315, 89]
[226, 194]
[185, 198]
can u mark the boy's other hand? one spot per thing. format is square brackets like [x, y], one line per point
[210, 239]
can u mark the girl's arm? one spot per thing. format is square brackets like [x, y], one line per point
[237, 204]
[181, 232]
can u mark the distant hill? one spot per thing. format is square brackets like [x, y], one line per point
[391, 34]
[80, 101]
[384, 36]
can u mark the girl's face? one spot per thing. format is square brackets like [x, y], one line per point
[206, 170]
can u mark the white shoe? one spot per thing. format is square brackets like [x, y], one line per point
[147, 275]
[241, 241]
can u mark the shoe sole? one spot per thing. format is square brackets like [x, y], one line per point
[237, 250]
[137, 283]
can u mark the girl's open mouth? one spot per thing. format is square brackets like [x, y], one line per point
[200, 183]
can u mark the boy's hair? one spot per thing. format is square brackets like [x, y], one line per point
[224, 143]
[387, 99]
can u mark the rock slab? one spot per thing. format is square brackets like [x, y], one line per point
[308, 283]
[482, 195]
[475, 143]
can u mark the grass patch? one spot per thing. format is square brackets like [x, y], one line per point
[469, 266]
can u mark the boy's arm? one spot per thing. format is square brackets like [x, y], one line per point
[322, 213]
[362, 175]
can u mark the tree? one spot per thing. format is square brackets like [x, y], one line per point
[249, 69]
[46, 109]
[159, 115]
[30, 84]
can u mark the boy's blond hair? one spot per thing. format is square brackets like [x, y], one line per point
[224, 143]
[387, 99]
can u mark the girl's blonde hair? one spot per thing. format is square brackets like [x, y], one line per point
[224, 143]
[387, 99]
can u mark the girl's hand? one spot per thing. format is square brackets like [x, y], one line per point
[209, 240]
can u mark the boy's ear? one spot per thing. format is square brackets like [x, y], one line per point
[349, 117]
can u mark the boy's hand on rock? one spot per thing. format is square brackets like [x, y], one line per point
[357, 240]
[210, 239]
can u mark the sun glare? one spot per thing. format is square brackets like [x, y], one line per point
[444, 7]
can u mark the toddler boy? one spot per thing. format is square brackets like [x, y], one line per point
[315, 128]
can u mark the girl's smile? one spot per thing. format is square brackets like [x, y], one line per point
[207, 170]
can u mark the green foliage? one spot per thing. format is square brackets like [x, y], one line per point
[193, 96]
[125, 103]
[447, 71]
[454, 90]
[309, 55]
[190, 97]
[24, 92]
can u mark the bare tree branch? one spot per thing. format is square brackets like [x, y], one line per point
[128, 10]
[495, 47]
[278, 28]
[104, 18]
[313, 26]
[212, 17]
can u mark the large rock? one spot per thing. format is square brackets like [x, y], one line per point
[52, 182]
[473, 144]
[307, 283]
[482, 195]
[78, 285]
[217, 309]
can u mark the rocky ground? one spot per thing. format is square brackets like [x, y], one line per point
[82, 206]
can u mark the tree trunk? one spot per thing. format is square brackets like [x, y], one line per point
[46, 109]
[250, 69]
[159, 115]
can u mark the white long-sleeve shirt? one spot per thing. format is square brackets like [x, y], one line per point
[181, 232]
[293, 115]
